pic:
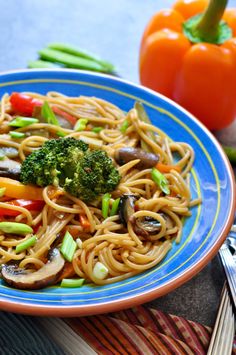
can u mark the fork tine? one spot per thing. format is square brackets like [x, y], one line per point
[223, 333]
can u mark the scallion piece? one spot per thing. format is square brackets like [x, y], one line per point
[97, 129]
[61, 134]
[2, 155]
[68, 247]
[160, 180]
[105, 205]
[100, 271]
[20, 121]
[15, 228]
[26, 244]
[48, 114]
[72, 282]
[114, 207]
[17, 135]
[2, 191]
[124, 126]
[80, 124]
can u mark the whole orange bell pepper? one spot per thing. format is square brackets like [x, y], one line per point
[188, 53]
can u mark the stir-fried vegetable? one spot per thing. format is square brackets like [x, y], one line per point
[23, 104]
[30, 242]
[21, 121]
[97, 129]
[15, 228]
[2, 191]
[65, 115]
[16, 189]
[17, 135]
[48, 114]
[84, 222]
[81, 124]
[124, 126]
[114, 207]
[105, 205]
[30, 205]
[68, 247]
[100, 271]
[72, 282]
[160, 180]
[164, 168]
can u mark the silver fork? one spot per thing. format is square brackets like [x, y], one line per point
[229, 262]
[224, 329]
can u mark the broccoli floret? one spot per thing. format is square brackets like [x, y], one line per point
[69, 163]
[95, 175]
[53, 162]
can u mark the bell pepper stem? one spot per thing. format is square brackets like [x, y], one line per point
[208, 24]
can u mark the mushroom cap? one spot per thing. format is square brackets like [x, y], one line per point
[47, 275]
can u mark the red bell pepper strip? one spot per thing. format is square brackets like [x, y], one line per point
[65, 115]
[23, 104]
[30, 205]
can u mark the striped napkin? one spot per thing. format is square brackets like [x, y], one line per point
[135, 331]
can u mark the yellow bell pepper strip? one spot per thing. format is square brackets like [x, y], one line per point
[189, 54]
[16, 189]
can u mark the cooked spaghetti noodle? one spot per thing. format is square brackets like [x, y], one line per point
[121, 249]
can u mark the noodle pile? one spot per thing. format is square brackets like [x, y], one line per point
[120, 249]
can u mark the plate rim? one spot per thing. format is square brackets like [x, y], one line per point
[134, 300]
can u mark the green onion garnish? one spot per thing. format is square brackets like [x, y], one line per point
[114, 207]
[100, 271]
[105, 205]
[160, 180]
[17, 135]
[15, 228]
[26, 244]
[68, 247]
[2, 154]
[97, 129]
[48, 114]
[72, 282]
[2, 191]
[81, 124]
[20, 121]
[124, 126]
[61, 134]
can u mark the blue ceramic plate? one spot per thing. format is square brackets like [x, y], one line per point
[203, 233]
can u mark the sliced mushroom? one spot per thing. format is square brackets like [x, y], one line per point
[9, 152]
[125, 155]
[47, 275]
[144, 226]
[10, 168]
[126, 207]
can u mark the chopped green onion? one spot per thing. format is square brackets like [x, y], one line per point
[100, 271]
[17, 135]
[114, 207]
[61, 134]
[81, 124]
[72, 282]
[26, 244]
[2, 155]
[48, 114]
[97, 129]
[20, 121]
[68, 247]
[160, 180]
[2, 191]
[105, 205]
[15, 228]
[79, 243]
[124, 126]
